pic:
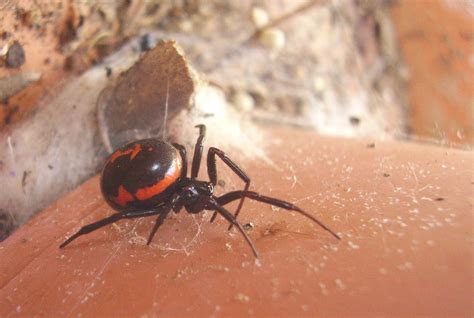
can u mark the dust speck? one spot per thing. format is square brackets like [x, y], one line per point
[340, 284]
[405, 266]
[323, 288]
[353, 245]
[242, 298]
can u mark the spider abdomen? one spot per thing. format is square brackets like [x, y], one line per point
[141, 175]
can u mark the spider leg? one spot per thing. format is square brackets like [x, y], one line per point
[213, 205]
[101, 223]
[212, 171]
[235, 195]
[182, 152]
[163, 213]
[159, 221]
[198, 152]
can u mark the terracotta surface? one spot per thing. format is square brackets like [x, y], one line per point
[436, 38]
[404, 212]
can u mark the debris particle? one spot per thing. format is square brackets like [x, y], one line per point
[243, 101]
[355, 121]
[219, 268]
[340, 284]
[146, 43]
[414, 211]
[108, 71]
[186, 26]
[245, 264]
[257, 263]
[405, 266]
[439, 199]
[386, 175]
[259, 17]
[274, 228]
[371, 145]
[26, 173]
[137, 240]
[179, 274]
[249, 226]
[242, 298]
[319, 84]
[383, 271]
[5, 35]
[323, 288]
[15, 56]
[353, 245]
[273, 38]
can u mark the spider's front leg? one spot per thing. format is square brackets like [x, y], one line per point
[163, 213]
[212, 171]
[198, 152]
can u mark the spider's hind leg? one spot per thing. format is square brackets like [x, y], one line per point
[111, 219]
[236, 195]
[92, 227]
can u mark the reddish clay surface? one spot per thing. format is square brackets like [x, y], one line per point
[404, 212]
[436, 38]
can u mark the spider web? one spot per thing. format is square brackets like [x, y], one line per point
[178, 234]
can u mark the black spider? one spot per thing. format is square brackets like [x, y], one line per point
[149, 177]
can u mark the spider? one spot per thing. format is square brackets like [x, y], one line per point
[149, 177]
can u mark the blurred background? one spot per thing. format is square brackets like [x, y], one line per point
[384, 68]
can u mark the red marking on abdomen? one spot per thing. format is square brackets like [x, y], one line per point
[119, 153]
[123, 196]
[171, 176]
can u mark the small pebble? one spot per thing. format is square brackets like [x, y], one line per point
[319, 84]
[242, 297]
[243, 101]
[15, 56]
[259, 17]
[273, 38]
